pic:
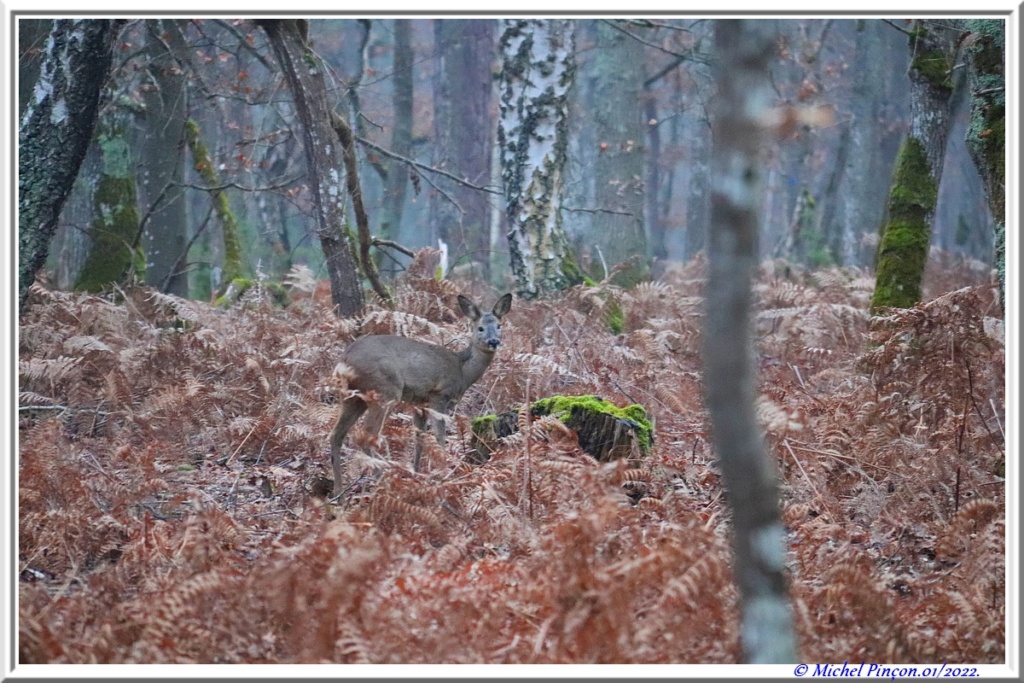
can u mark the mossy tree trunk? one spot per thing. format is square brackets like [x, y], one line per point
[55, 130]
[537, 72]
[221, 204]
[986, 134]
[759, 541]
[304, 74]
[903, 250]
[115, 221]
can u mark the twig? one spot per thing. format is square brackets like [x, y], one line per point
[244, 44]
[391, 244]
[573, 209]
[244, 188]
[974, 402]
[235, 452]
[615, 25]
[898, 28]
[412, 162]
[785, 442]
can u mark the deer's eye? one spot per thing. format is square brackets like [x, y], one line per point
[480, 329]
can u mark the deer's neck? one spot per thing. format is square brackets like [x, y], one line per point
[474, 363]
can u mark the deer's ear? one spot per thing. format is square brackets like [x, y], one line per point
[503, 305]
[469, 309]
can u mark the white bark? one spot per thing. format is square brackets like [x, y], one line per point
[537, 73]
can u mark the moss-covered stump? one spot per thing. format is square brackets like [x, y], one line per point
[487, 430]
[604, 430]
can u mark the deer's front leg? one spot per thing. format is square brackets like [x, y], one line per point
[420, 420]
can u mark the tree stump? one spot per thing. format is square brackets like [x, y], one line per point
[604, 430]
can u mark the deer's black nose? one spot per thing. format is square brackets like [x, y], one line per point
[494, 343]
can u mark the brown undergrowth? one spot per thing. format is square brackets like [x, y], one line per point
[170, 455]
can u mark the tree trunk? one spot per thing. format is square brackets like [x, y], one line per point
[832, 248]
[401, 133]
[230, 230]
[867, 166]
[115, 221]
[697, 191]
[619, 171]
[32, 35]
[303, 71]
[904, 247]
[463, 134]
[659, 250]
[744, 93]
[162, 159]
[537, 72]
[55, 131]
[986, 135]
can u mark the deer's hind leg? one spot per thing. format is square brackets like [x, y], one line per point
[352, 408]
[375, 418]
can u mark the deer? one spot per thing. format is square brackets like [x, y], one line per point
[384, 370]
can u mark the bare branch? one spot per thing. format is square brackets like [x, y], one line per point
[412, 162]
[689, 56]
[380, 242]
[895, 26]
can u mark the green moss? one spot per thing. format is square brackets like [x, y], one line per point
[572, 272]
[234, 291]
[480, 425]
[901, 261]
[115, 222]
[904, 246]
[222, 206]
[913, 191]
[563, 407]
[615, 317]
[986, 138]
[278, 292]
[934, 66]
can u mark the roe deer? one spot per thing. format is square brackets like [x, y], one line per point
[414, 372]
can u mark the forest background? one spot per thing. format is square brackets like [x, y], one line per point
[184, 412]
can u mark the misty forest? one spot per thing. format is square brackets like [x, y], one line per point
[743, 403]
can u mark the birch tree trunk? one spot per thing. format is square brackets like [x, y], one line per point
[55, 131]
[537, 72]
[303, 71]
[915, 185]
[744, 97]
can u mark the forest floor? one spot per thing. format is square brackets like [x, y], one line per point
[173, 456]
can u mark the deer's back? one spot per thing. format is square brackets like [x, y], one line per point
[417, 370]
